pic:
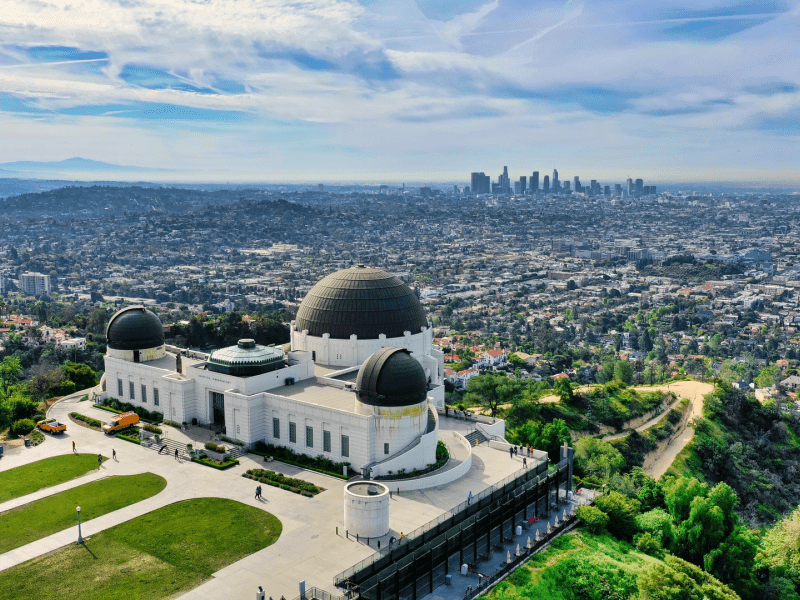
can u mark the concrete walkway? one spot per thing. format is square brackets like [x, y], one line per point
[309, 547]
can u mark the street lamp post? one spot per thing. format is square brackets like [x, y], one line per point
[80, 537]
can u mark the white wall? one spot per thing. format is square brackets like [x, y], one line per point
[419, 456]
[438, 478]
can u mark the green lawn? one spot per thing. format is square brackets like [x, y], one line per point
[30, 478]
[33, 521]
[158, 555]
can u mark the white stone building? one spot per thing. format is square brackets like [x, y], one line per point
[360, 381]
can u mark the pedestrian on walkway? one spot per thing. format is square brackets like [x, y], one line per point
[176, 453]
[469, 497]
[113, 454]
[73, 445]
[524, 463]
[511, 452]
[99, 460]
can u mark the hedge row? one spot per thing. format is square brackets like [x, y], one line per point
[321, 464]
[88, 420]
[215, 448]
[130, 434]
[154, 416]
[204, 460]
[298, 486]
[152, 429]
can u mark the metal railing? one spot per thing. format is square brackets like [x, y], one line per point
[314, 593]
[434, 523]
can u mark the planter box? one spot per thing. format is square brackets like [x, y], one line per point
[221, 456]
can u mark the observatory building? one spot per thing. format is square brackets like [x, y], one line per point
[359, 382]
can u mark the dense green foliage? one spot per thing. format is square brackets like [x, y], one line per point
[57, 512]
[287, 455]
[83, 418]
[583, 566]
[149, 556]
[152, 416]
[754, 448]
[22, 427]
[26, 479]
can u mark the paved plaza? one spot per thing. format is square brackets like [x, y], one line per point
[309, 547]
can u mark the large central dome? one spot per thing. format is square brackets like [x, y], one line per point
[363, 301]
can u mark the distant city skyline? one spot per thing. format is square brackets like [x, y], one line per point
[263, 90]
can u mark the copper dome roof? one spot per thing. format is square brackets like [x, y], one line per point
[363, 301]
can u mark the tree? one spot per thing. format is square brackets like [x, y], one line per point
[657, 523]
[675, 579]
[593, 518]
[82, 375]
[45, 378]
[492, 390]
[598, 458]
[780, 551]
[623, 370]
[732, 562]
[679, 494]
[563, 388]
[10, 370]
[621, 511]
[768, 376]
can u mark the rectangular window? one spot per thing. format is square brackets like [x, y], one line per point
[119, 387]
[386, 448]
[309, 436]
[131, 389]
[326, 441]
[276, 428]
[345, 446]
[292, 432]
[144, 393]
[155, 396]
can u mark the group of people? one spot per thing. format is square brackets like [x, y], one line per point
[258, 493]
[515, 450]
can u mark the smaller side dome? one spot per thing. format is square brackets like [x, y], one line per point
[391, 378]
[134, 328]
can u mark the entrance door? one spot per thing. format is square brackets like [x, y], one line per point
[218, 408]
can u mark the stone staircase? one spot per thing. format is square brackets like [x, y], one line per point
[476, 437]
[236, 451]
[166, 446]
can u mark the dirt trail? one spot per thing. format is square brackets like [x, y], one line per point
[694, 390]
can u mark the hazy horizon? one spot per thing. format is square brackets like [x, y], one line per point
[267, 90]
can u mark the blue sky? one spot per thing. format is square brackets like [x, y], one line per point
[393, 90]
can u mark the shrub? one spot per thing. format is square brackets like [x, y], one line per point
[37, 437]
[172, 424]
[88, 420]
[22, 427]
[152, 429]
[298, 486]
[319, 463]
[594, 518]
[229, 440]
[215, 448]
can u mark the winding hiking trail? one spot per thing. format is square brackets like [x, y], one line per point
[694, 390]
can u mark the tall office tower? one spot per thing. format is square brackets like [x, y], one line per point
[523, 183]
[566, 186]
[595, 187]
[639, 187]
[577, 181]
[555, 181]
[630, 186]
[35, 284]
[546, 185]
[535, 182]
[653, 190]
[476, 183]
[2, 284]
[617, 189]
[505, 182]
[607, 190]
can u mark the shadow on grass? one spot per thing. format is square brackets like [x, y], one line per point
[89, 550]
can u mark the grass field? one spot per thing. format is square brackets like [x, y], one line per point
[158, 555]
[24, 480]
[33, 521]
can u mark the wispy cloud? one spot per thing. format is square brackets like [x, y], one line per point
[374, 82]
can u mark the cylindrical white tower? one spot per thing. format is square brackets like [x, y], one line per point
[366, 509]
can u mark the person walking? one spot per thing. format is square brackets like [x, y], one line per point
[73, 445]
[99, 460]
[113, 454]
[524, 463]
[176, 453]
[469, 497]
[511, 452]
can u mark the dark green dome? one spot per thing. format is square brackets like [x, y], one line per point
[134, 328]
[391, 377]
[363, 301]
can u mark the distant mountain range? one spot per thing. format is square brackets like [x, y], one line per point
[70, 165]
